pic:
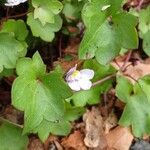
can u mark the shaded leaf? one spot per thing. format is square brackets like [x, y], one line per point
[46, 32]
[10, 51]
[11, 138]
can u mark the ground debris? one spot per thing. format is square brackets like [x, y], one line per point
[35, 144]
[119, 138]
[94, 133]
[110, 122]
[74, 142]
[133, 69]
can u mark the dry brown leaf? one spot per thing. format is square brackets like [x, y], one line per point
[35, 144]
[94, 129]
[119, 138]
[74, 142]
[110, 122]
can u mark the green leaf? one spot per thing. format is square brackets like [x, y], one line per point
[61, 128]
[124, 24]
[136, 112]
[72, 9]
[17, 27]
[93, 96]
[11, 138]
[107, 31]
[7, 73]
[144, 21]
[46, 32]
[72, 113]
[146, 43]
[123, 83]
[46, 10]
[91, 12]
[36, 93]
[10, 51]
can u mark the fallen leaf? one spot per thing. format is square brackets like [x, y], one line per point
[74, 142]
[119, 138]
[35, 144]
[110, 122]
[94, 133]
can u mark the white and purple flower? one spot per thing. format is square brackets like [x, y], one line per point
[14, 2]
[78, 80]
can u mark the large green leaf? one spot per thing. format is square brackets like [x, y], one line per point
[93, 95]
[18, 28]
[46, 32]
[36, 93]
[46, 10]
[107, 31]
[10, 51]
[136, 112]
[124, 24]
[11, 138]
[144, 21]
[146, 43]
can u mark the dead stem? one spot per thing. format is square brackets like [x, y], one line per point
[15, 124]
[123, 67]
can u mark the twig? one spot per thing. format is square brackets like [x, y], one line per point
[140, 4]
[19, 15]
[126, 60]
[15, 124]
[131, 77]
[104, 79]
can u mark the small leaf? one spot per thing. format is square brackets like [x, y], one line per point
[136, 112]
[72, 113]
[46, 10]
[46, 32]
[144, 21]
[10, 51]
[11, 138]
[123, 83]
[146, 43]
[18, 28]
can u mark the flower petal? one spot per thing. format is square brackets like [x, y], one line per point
[68, 74]
[87, 73]
[74, 85]
[85, 84]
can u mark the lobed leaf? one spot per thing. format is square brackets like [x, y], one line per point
[11, 138]
[136, 112]
[107, 31]
[10, 50]
[46, 32]
[46, 10]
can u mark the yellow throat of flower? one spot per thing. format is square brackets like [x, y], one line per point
[75, 73]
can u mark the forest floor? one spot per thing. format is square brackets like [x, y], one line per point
[98, 129]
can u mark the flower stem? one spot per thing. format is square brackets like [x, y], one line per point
[104, 79]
